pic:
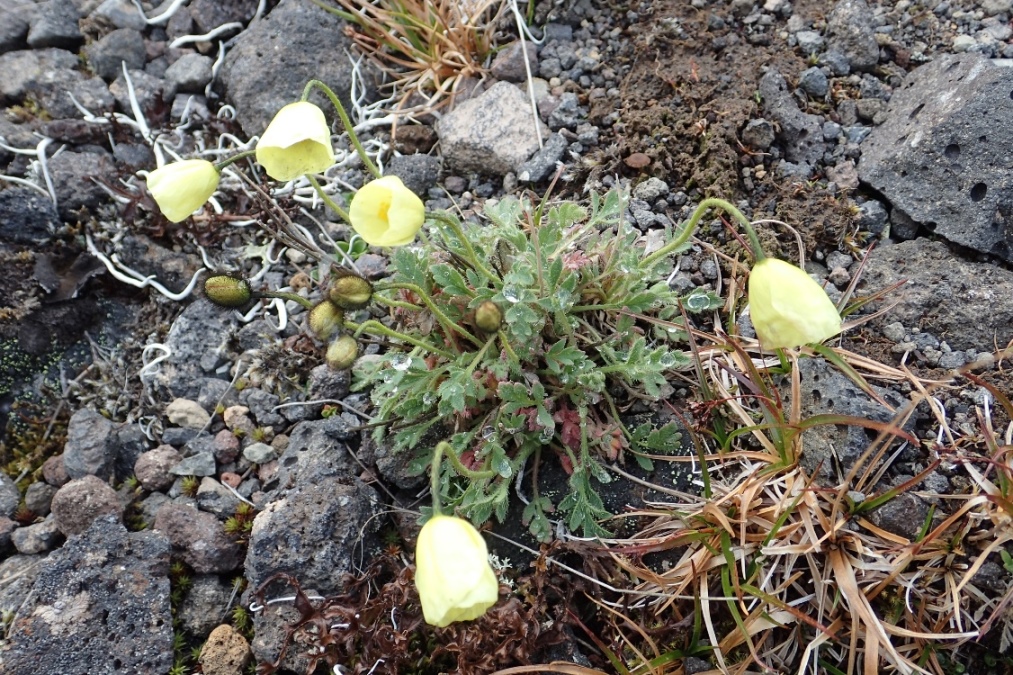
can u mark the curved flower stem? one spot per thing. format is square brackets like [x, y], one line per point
[282, 295]
[395, 303]
[472, 257]
[327, 199]
[345, 122]
[506, 346]
[443, 448]
[444, 320]
[235, 158]
[694, 220]
[377, 328]
[478, 357]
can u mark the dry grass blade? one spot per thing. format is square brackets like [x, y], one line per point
[787, 574]
[427, 48]
[554, 667]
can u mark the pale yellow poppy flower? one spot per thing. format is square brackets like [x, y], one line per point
[296, 142]
[452, 572]
[386, 213]
[788, 309]
[183, 187]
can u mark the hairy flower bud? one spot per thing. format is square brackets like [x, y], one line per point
[342, 353]
[227, 291]
[325, 319]
[488, 317]
[350, 291]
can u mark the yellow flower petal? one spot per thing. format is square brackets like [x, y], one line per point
[183, 187]
[788, 308]
[386, 213]
[452, 572]
[296, 142]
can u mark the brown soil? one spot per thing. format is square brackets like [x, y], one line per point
[684, 103]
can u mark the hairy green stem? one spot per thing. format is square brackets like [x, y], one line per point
[234, 158]
[390, 302]
[472, 257]
[444, 320]
[333, 205]
[478, 357]
[694, 220]
[377, 328]
[443, 449]
[345, 121]
[506, 346]
[282, 295]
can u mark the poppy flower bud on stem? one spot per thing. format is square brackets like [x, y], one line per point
[182, 187]
[342, 353]
[350, 291]
[488, 317]
[226, 291]
[452, 572]
[325, 319]
[787, 307]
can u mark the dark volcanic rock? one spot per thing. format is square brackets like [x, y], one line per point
[26, 216]
[202, 329]
[22, 71]
[801, 133]
[967, 304]
[273, 59]
[942, 155]
[55, 24]
[72, 179]
[15, 16]
[851, 30]
[316, 532]
[316, 450]
[107, 55]
[9, 495]
[832, 448]
[90, 449]
[99, 605]
[198, 538]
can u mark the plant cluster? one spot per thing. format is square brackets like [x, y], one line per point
[540, 328]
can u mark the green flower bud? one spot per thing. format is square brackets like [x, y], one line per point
[488, 317]
[227, 291]
[350, 291]
[342, 353]
[325, 319]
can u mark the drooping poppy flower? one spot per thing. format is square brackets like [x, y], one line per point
[452, 572]
[787, 307]
[296, 142]
[183, 187]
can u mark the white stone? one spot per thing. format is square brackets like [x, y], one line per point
[492, 133]
[187, 414]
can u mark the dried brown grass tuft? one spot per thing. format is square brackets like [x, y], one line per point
[784, 575]
[427, 48]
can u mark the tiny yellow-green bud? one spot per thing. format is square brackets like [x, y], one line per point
[488, 317]
[325, 319]
[342, 353]
[350, 291]
[227, 291]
